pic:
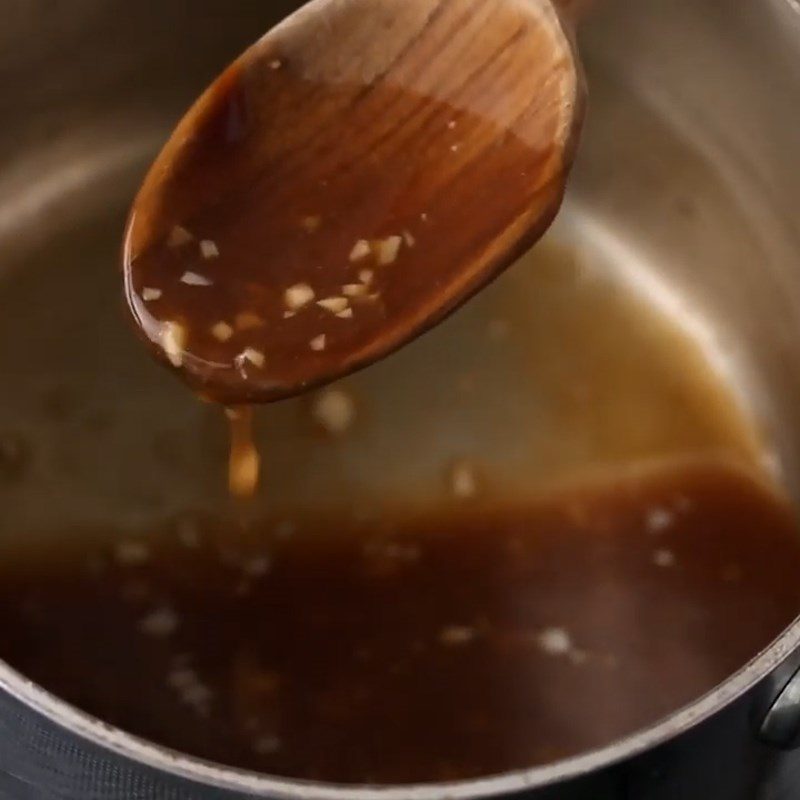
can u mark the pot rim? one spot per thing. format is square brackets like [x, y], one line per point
[207, 773]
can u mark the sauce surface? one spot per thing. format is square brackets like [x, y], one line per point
[408, 649]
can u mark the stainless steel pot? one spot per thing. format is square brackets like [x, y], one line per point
[687, 180]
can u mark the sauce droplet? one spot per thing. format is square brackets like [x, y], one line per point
[244, 465]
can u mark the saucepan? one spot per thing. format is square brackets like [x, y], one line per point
[687, 185]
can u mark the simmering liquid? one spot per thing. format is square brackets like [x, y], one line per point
[410, 649]
[445, 612]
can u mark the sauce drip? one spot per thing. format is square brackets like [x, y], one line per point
[444, 646]
[244, 461]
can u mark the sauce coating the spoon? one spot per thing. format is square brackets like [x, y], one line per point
[346, 183]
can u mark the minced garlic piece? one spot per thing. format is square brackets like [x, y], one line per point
[132, 554]
[209, 249]
[173, 341]
[499, 330]
[664, 558]
[346, 314]
[267, 745]
[334, 304]
[455, 635]
[222, 331]
[658, 520]
[257, 567]
[409, 238]
[194, 279]
[297, 296]
[463, 480]
[247, 321]
[160, 623]
[555, 641]
[255, 357]
[179, 236]
[334, 410]
[366, 276]
[354, 290]
[276, 64]
[191, 691]
[149, 294]
[361, 249]
[312, 223]
[388, 249]
[318, 343]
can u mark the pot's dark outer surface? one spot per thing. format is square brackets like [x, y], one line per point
[718, 761]
[721, 759]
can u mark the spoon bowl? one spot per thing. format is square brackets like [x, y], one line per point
[347, 182]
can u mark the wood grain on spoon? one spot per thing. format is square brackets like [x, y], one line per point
[347, 182]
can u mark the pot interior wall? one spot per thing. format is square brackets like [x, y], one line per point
[658, 321]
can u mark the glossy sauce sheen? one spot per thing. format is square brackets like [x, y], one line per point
[408, 650]
[372, 196]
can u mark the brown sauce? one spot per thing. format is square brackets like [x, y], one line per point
[407, 649]
[244, 461]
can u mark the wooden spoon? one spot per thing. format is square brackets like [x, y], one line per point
[347, 182]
